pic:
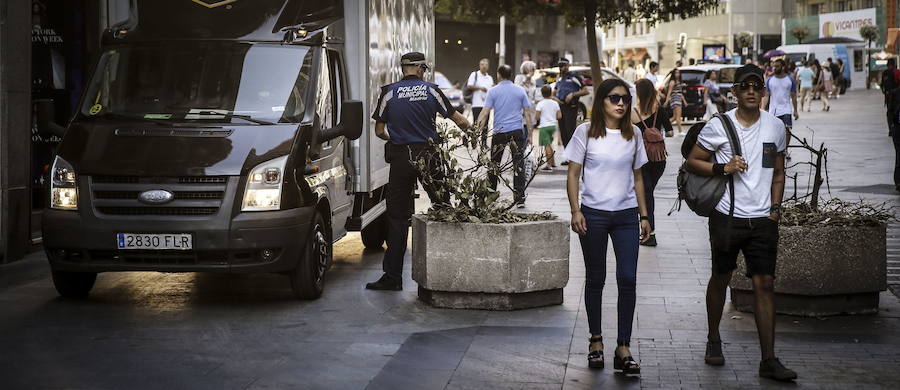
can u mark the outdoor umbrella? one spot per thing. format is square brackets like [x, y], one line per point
[773, 53]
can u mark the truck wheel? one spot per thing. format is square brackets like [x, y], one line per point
[74, 284]
[307, 280]
[374, 234]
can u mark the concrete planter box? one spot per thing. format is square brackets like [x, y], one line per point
[823, 270]
[490, 266]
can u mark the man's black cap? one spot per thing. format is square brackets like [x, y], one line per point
[748, 71]
[413, 58]
[562, 61]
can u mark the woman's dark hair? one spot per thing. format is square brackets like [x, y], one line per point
[646, 94]
[598, 112]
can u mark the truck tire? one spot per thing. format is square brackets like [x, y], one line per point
[375, 233]
[73, 284]
[307, 280]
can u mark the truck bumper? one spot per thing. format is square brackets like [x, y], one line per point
[236, 245]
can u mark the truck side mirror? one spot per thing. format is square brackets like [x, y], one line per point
[351, 122]
[44, 112]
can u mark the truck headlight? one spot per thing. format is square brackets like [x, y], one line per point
[263, 192]
[63, 188]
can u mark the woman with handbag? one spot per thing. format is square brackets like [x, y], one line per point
[607, 154]
[647, 116]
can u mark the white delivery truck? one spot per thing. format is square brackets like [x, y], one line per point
[852, 53]
[229, 136]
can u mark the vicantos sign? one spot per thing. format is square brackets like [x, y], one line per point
[845, 24]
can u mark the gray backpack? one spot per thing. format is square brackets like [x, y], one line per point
[703, 193]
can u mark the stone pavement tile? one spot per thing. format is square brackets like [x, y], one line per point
[411, 379]
[467, 384]
[505, 361]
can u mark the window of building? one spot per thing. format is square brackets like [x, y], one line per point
[814, 9]
[858, 60]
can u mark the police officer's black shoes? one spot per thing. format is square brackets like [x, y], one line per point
[386, 283]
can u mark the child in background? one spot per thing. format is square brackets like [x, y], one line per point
[547, 116]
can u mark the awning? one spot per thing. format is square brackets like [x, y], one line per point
[893, 36]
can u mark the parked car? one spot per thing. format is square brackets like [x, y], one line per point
[549, 76]
[694, 77]
[454, 94]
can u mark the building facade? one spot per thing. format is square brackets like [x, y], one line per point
[709, 37]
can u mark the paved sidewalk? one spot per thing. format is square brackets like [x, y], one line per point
[199, 331]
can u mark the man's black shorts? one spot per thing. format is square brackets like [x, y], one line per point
[757, 238]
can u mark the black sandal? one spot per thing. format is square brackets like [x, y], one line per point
[595, 357]
[627, 364]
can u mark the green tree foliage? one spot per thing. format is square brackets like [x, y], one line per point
[586, 13]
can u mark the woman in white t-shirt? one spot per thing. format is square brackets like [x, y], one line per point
[547, 117]
[606, 154]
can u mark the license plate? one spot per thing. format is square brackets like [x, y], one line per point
[154, 241]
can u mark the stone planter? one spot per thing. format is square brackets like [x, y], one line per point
[823, 270]
[490, 266]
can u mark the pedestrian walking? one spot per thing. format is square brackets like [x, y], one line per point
[819, 88]
[547, 116]
[890, 80]
[509, 103]
[837, 78]
[405, 118]
[893, 114]
[652, 73]
[844, 81]
[747, 221]
[525, 79]
[675, 98]
[478, 84]
[610, 153]
[806, 76]
[630, 74]
[569, 87]
[711, 94]
[781, 98]
[648, 117]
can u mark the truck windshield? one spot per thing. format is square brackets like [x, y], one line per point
[201, 81]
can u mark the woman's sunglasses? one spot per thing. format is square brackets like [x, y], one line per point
[615, 99]
[745, 85]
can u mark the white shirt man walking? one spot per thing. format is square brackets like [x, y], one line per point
[758, 181]
[479, 82]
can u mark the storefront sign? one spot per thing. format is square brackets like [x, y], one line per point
[846, 24]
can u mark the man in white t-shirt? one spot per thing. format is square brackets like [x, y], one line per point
[479, 82]
[651, 75]
[758, 179]
[548, 116]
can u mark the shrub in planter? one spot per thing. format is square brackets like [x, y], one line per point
[476, 252]
[832, 257]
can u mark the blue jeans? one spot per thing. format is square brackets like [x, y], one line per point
[624, 229]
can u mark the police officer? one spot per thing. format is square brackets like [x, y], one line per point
[569, 87]
[405, 117]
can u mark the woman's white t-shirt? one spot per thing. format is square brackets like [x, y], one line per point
[548, 109]
[608, 178]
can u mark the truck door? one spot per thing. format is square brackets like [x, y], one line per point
[331, 157]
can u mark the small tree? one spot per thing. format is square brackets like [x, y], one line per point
[745, 39]
[800, 33]
[870, 34]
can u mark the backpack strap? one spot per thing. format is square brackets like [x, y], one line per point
[735, 142]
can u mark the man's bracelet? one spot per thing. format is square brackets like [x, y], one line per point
[719, 169]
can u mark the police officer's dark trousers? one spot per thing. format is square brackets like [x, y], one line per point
[516, 141]
[569, 122]
[400, 203]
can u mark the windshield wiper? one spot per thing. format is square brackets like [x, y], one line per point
[113, 115]
[250, 119]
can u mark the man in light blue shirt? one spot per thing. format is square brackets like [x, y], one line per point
[805, 76]
[511, 127]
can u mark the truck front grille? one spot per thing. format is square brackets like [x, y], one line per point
[193, 195]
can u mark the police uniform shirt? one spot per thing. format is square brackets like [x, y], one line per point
[568, 83]
[409, 108]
